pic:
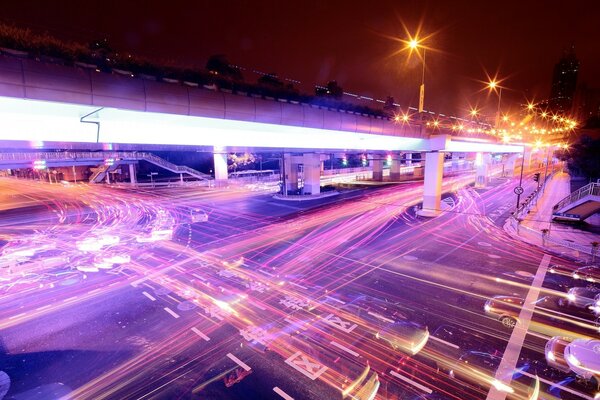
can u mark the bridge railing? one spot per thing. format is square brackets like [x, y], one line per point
[589, 189]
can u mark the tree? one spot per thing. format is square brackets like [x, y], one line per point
[583, 159]
[270, 80]
[389, 104]
[331, 90]
[219, 65]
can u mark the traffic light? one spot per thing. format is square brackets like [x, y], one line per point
[536, 177]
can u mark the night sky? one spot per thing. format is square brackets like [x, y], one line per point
[349, 41]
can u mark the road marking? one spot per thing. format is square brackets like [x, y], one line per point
[265, 272]
[148, 295]
[282, 393]
[550, 383]
[443, 341]
[202, 335]
[334, 299]
[43, 307]
[505, 370]
[337, 322]
[305, 365]
[114, 283]
[70, 299]
[239, 362]
[94, 291]
[300, 286]
[342, 347]
[410, 381]
[173, 313]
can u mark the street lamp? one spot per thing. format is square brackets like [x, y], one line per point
[493, 85]
[413, 44]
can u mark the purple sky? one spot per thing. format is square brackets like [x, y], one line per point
[315, 41]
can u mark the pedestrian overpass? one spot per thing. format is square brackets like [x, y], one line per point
[579, 205]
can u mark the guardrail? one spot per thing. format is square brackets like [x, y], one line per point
[589, 189]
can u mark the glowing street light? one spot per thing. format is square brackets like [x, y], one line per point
[415, 44]
[494, 85]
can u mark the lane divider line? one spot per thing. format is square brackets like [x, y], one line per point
[410, 381]
[283, 394]
[342, 347]
[173, 313]
[238, 362]
[148, 295]
[202, 335]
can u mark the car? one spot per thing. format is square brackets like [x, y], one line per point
[583, 358]
[589, 273]
[388, 324]
[580, 297]
[505, 309]
[555, 353]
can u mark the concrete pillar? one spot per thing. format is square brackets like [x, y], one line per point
[527, 157]
[132, 176]
[322, 167]
[395, 168]
[312, 173]
[455, 161]
[377, 163]
[107, 176]
[482, 169]
[510, 165]
[432, 186]
[291, 173]
[408, 158]
[220, 160]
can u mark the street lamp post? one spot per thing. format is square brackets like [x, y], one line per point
[493, 85]
[413, 44]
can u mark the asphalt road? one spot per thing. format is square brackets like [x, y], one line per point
[117, 294]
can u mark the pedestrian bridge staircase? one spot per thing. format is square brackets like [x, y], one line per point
[579, 205]
[59, 159]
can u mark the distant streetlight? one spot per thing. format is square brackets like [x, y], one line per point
[493, 85]
[415, 44]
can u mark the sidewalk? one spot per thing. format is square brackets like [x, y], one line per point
[563, 239]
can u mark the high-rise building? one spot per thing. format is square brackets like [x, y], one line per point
[564, 83]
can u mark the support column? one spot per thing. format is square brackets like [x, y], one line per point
[455, 161]
[132, 176]
[408, 158]
[482, 165]
[527, 157]
[220, 160]
[312, 173]
[395, 168]
[377, 162]
[432, 188]
[510, 165]
[107, 177]
[291, 173]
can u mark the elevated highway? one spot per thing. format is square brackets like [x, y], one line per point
[46, 106]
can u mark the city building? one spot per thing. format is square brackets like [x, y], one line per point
[564, 83]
